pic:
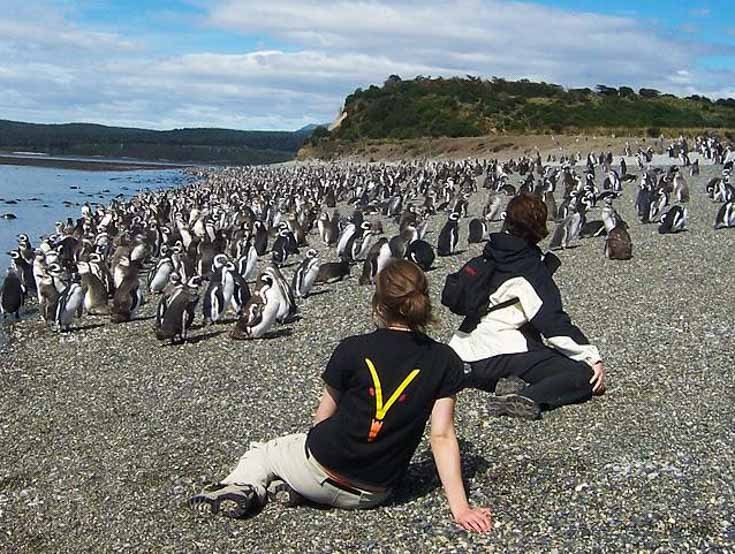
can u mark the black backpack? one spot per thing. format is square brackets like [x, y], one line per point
[467, 292]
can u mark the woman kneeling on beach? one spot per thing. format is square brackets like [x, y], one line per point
[381, 388]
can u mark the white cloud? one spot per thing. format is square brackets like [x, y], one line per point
[314, 53]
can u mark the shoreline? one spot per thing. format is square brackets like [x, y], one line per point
[87, 165]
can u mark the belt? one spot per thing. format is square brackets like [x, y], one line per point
[341, 483]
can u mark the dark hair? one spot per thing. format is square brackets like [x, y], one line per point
[402, 295]
[525, 217]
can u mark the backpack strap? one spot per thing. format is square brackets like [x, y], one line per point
[470, 322]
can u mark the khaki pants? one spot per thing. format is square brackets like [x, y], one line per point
[285, 458]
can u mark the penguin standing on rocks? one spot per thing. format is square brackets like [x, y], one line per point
[218, 296]
[95, 296]
[158, 277]
[328, 231]
[176, 314]
[673, 221]
[449, 236]
[618, 245]
[378, 257]
[306, 274]
[70, 304]
[12, 295]
[567, 231]
[127, 299]
[287, 308]
[260, 238]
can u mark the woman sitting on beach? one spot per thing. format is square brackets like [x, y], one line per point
[381, 388]
[528, 352]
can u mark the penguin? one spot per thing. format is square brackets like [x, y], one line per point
[725, 217]
[681, 188]
[551, 209]
[378, 257]
[281, 247]
[95, 296]
[421, 253]
[348, 232]
[260, 238]
[158, 277]
[331, 272]
[12, 295]
[673, 221]
[478, 231]
[306, 274]
[48, 297]
[260, 314]
[449, 236]
[287, 308]
[493, 208]
[218, 295]
[328, 231]
[175, 314]
[567, 231]
[127, 299]
[241, 294]
[69, 304]
[618, 245]
[247, 264]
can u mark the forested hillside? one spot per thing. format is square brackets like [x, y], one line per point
[467, 107]
[179, 145]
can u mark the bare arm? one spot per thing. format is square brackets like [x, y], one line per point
[445, 448]
[327, 405]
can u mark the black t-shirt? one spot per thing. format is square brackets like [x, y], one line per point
[388, 382]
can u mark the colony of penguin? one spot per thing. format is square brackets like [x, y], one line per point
[238, 245]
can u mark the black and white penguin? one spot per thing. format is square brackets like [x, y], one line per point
[158, 276]
[218, 296]
[673, 221]
[328, 231]
[260, 314]
[421, 253]
[725, 217]
[567, 231]
[241, 295]
[478, 231]
[449, 236]
[176, 312]
[69, 304]
[260, 238]
[287, 308]
[95, 296]
[378, 257]
[282, 247]
[247, 263]
[618, 245]
[306, 274]
[127, 299]
[681, 188]
[12, 295]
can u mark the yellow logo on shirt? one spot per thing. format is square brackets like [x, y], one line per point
[382, 409]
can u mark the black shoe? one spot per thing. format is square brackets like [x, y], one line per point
[514, 405]
[282, 493]
[509, 385]
[233, 500]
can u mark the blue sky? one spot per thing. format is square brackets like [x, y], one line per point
[282, 64]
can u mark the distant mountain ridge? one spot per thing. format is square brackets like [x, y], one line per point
[470, 106]
[199, 145]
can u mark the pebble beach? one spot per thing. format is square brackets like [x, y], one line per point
[105, 432]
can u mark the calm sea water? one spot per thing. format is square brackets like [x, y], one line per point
[40, 194]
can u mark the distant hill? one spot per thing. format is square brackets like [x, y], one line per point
[177, 145]
[469, 107]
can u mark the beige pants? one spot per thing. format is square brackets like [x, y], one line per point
[285, 458]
